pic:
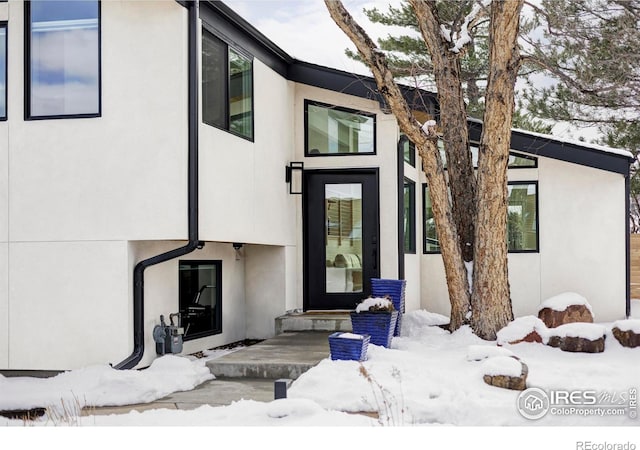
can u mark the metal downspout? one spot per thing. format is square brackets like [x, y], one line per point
[138, 274]
[627, 208]
[403, 139]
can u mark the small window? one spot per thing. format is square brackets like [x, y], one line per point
[409, 151]
[62, 42]
[409, 216]
[3, 71]
[522, 220]
[200, 287]
[516, 160]
[330, 130]
[227, 87]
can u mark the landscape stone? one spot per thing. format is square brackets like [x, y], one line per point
[516, 383]
[573, 313]
[627, 337]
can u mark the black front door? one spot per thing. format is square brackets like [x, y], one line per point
[341, 229]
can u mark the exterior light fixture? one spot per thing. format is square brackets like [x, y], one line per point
[293, 176]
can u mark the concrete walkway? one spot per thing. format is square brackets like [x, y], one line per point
[247, 374]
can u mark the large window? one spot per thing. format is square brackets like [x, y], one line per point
[522, 218]
[200, 287]
[330, 130]
[62, 41]
[409, 216]
[3, 71]
[227, 87]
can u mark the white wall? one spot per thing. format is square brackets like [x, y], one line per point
[243, 194]
[266, 288]
[581, 214]
[67, 304]
[120, 176]
[582, 236]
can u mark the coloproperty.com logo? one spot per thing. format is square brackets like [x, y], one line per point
[535, 403]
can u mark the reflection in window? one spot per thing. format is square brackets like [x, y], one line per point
[431, 242]
[63, 41]
[334, 131]
[199, 284]
[409, 216]
[515, 160]
[409, 151]
[343, 237]
[522, 220]
[3, 72]
[227, 87]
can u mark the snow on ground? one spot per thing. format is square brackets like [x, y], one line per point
[426, 378]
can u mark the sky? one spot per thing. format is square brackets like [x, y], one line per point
[427, 381]
[304, 29]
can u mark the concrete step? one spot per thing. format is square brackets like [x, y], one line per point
[287, 355]
[314, 321]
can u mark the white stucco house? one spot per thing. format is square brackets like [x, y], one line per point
[161, 156]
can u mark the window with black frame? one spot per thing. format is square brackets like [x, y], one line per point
[522, 219]
[409, 216]
[332, 130]
[227, 87]
[62, 73]
[200, 291]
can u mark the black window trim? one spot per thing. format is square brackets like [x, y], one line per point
[231, 45]
[308, 102]
[5, 25]
[523, 156]
[27, 70]
[510, 183]
[412, 250]
[217, 263]
[412, 152]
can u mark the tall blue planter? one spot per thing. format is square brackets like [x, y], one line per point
[379, 325]
[394, 289]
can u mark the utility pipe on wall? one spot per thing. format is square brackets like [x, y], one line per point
[194, 243]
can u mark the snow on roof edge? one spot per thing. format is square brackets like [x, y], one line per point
[602, 148]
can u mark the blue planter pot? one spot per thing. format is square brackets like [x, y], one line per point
[396, 290]
[347, 348]
[379, 325]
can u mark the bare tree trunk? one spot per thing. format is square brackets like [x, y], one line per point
[490, 300]
[426, 143]
[453, 119]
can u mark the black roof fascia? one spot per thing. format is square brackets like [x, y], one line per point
[237, 31]
[358, 85]
[233, 28]
[548, 147]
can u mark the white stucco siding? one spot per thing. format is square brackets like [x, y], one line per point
[68, 301]
[4, 182]
[582, 235]
[162, 295]
[4, 305]
[582, 243]
[266, 288]
[243, 194]
[119, 176]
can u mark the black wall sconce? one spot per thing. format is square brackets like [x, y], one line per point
[293, 176]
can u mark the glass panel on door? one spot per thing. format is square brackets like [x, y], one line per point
[343, 237]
